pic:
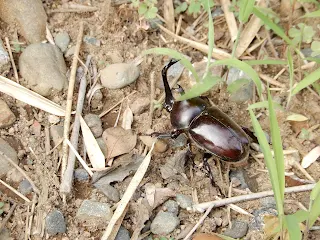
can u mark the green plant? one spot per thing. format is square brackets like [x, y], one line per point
[315, 47]
[301, 33]
[146, 8]
[1, 207]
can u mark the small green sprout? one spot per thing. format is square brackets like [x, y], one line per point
[147, 8]
[303, 33]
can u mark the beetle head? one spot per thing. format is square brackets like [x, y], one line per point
[169, 100]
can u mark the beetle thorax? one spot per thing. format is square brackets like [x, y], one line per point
[183, 112]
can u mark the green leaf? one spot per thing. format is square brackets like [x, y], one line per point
[277, 148]
[265, 62]
[315, 211]
[315, 47]
[315, 192]
[207, 4]
[296, 118]
[264, 104]
[279, 31]
[270, 162]
[244, 67]
[314, 14]
[246, 7]
[303, 33]
[301, 215]
[143, 8]
[236, 85]
[203, 86]
[1, 204]
[181, 8]
[308, 80]
[316, 86]
[293, 227]
[194, 7]
[173, 54]
[151, 13]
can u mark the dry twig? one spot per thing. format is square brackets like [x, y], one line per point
[12, 60]
[6, 219]
[69, 101]
[230, 19]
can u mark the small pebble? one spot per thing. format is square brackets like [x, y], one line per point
[160, 146]
[245, 92]
[25, 187]
[119, 75]
[257, 222]
[55, 223]
[184, 201]
[4, 59]
[9, 152]
[92, 41]
[140, 105]
[91, 211]
[238, 230]
[171, 206]
[7, 118]
[62, 40]
[53, 119]
[95, 124]
[81, 174]
[164, 223]
[123, 234]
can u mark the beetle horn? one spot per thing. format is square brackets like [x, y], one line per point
[169, 100]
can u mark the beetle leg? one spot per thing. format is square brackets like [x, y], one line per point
[250, 134]
[169, 99]
[207, 167]
[173, 134]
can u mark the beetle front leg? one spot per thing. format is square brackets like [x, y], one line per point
[173, 134]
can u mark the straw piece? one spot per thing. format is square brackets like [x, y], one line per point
[230, 19]
[15, 191]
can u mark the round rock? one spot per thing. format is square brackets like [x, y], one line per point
[62, 40]
[43, 67]
[81, 174]
[55, 223]
[171, 206]
[164, 223]
[25, 187]
[29, 15]
[95, 124]
[119, 75]
[239, 229]
[123, 234]
[184, 201]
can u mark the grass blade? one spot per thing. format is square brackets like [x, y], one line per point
[315, 192]
[205, 85]
[292, 225]
[266, 62]
[264, 104]
[279, 31]
[277, 147]
[210, 37]
[244, 67]
[269, 161]
[315, 211]
[246, 7]
[308, 80]
[173, 54]
[291, 73]
[314, 14]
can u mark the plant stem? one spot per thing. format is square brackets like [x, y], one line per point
[237, 40]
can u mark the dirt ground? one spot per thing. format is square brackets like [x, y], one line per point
[123, 38]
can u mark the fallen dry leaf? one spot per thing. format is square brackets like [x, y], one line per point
[150, 189]
[206, 236]
[127, 118]
[311, 157]
[297, 118]
[119, 141]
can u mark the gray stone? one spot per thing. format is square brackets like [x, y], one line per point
[7, 118]
[257, 222]
[70, 51]
[140, 105]
[154, 23]
[7, 150]
[25, 187]
[307, 52]
[62, 40]
[29, 15]
[123, 234]
[110, 192]
[55, 223]
[171, 206]
[102, 146]
[81, 174]
[217, 12]
[119, 75]
[245, 92]
[42, 66]
[245, 180]
[92, 41]
[94, 123]
[268, 202]
[184, 201]
[164, 223]
[94, 212]
[4, 59]
[56, 132]
[238, 230]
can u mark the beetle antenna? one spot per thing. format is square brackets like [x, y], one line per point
[169, 100]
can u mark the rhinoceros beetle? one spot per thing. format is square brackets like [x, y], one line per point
[207, 126]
